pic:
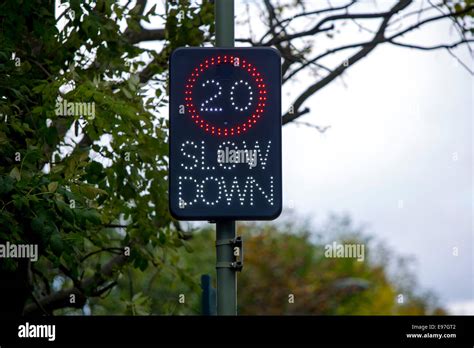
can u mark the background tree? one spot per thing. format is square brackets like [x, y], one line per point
[83, 187]
[283, 260]
[87, 188]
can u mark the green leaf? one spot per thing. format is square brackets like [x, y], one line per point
[91, 192]
[57, 168]
[52, 186]
[162, 238]
[43, 227]
[6, 184]
[56, 244]
[188, 247]
[20, 202]
[177, 242]
[65, 210]
[51, 136]
[127, 93]
[93, 216]
[15, 174]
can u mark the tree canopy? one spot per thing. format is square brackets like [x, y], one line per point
[286, 272]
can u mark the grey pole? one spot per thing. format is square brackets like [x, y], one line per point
[224, 17]
[226, 276]
[225, 229]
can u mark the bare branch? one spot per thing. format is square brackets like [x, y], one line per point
[320, 129]
[429, 48]
[319, 25]
[378, 41]
[245, 40]
[310, 13]
[289, 117]
[328, 52]
[467, 9]
[366, 49]
[464, 65]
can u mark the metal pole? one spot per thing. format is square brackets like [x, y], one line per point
[225, 229]
[226, 276]
[224, 17]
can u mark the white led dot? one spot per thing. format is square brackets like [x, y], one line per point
[249, 88]
[191, 144]
[204, 105]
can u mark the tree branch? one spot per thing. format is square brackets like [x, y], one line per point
[319, 25]
[310, 13]
[146, 35]
[288, 117]
[366, 49]
[466, 10]
[61, 299]
[320, 129]
[429, 48]
[380, 40]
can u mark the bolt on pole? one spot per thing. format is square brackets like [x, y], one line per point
[225, 229]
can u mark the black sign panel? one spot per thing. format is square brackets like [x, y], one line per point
[225, 134]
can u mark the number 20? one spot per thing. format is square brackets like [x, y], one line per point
[206, 107]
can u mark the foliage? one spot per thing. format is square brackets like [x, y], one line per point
[282, 260]
[67, 181]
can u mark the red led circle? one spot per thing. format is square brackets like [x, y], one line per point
[254, 74]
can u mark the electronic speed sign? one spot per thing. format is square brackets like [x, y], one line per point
[225, 134]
